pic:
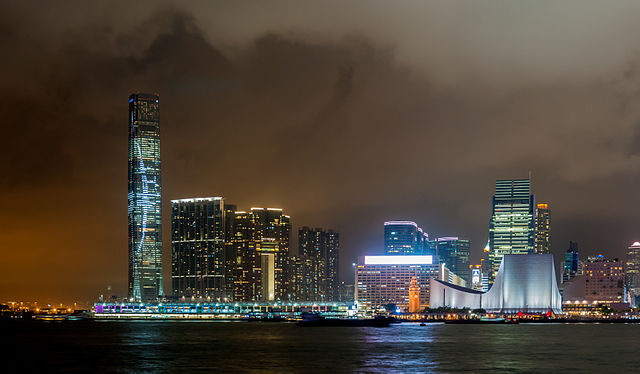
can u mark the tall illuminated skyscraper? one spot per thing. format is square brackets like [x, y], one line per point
[543, 228]
[261, 243]
[145, 199]
[319, 252]
[198, 234]
[511, 228]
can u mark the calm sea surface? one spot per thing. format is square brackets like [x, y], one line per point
[187, 346]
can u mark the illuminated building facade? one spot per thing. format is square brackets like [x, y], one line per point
[382, 280]
[297, 279]
[414, 296]
[524, 283]
[144, 199]
[604, 280]
[319, 253]
[404, 238]
[455, 254]
[333, 262]
[230, 259]
[476, 278]
[543, 228]
[511, 228]
[261, 243]
[346, 292]
[632, 273]
[572, 266]
[198, 248]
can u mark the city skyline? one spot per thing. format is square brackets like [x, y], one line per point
[344, 127]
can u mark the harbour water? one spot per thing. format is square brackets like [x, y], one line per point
[187, 346]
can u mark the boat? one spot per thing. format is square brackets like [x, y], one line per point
[316, 320]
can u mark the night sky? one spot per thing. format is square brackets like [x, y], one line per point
[345, 115]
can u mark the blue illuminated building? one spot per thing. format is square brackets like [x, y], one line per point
[145, 199]
[404, 238]
[455, 254]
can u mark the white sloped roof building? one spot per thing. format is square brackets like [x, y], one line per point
[524, 283]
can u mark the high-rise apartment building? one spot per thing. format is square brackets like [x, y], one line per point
[543, 227]
[319, 252]
[261, 243]
[312, 248]
[404, 238]
[297, 279]
[198, 248]
[632, 273]
[144, 199]
[230, 258]
[511, 228]
[455, 254]
[333, 258]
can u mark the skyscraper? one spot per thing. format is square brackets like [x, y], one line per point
[571, 266]
[511, 228]
[404, 238]
[455, 254]
[261, 243]
[145, 199]
[297, 279]
[230, 259]
[543, 227]
[319, 252]
[198, 247]
[333, 252]
[632, 273]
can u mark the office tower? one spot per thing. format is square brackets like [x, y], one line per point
[571, 266]
[455, 254]
[198, 248]
[145, 199]
[543, 227]
[511, 228]
[632, 273]
[319, 252]
[404, 238]
[261, 243]
[604, 280]
[430, 247]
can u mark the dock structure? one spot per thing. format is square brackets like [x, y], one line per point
[220, 311]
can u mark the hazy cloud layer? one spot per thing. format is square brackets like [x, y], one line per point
[345, 115]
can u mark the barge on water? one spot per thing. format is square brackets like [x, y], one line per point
[316, 320]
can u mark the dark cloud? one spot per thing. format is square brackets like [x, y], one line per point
[343, 114]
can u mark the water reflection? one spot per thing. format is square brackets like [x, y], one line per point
[407, 347]
[280, 347]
